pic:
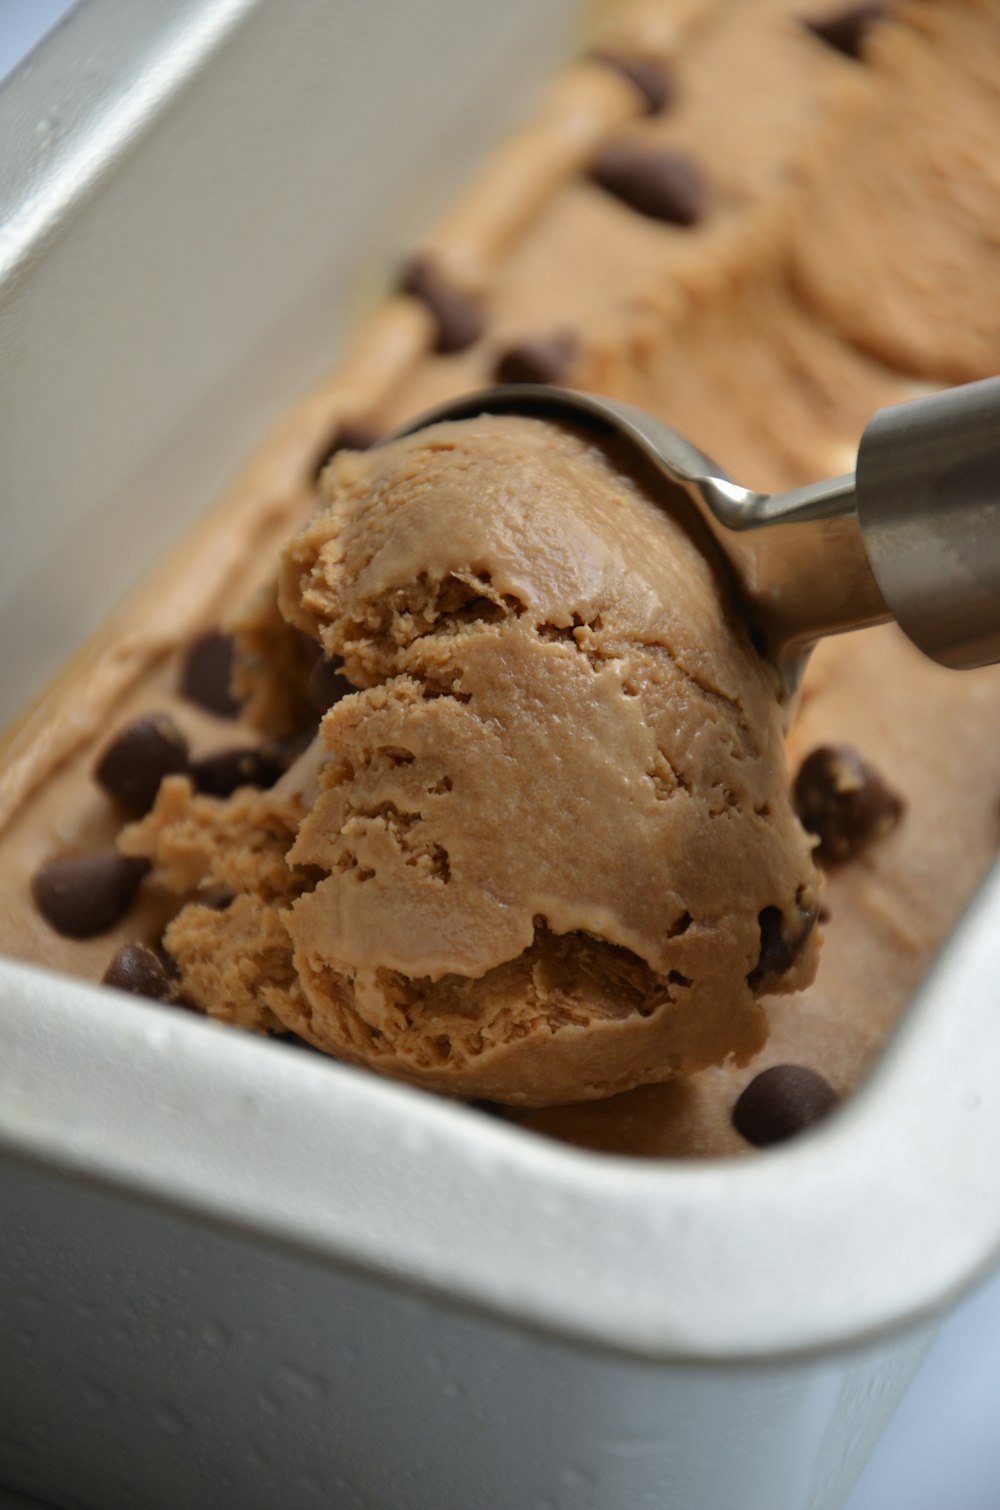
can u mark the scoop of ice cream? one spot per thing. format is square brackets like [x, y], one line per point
[546, 851]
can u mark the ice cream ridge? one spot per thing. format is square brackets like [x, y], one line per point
[546, 851]
[549, 846]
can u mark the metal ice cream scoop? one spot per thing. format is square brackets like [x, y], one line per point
[912, 535]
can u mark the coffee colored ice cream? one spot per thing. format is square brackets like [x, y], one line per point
[550, 851]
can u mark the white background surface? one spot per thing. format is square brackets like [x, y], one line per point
[942, 1451]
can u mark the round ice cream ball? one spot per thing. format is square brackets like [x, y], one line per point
[548, 852]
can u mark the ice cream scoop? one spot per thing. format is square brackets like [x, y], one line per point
[913, 534]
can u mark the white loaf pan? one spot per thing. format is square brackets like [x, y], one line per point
[235, 1275]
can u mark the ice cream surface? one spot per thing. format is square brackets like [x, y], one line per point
[549, 851]
[760, 220]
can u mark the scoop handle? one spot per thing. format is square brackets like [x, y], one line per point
[928, 497]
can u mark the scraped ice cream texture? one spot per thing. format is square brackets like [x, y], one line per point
[761, 221]
[547, 850]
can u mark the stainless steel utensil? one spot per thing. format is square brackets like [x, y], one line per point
[912, 535]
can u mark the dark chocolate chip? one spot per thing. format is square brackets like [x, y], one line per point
[844, 801]
[207, 672]
[780, 946]
[139, 971]
[780, 1102]
[459, 319]
[221, 774]
[327, 685]
[846, 30]
[84, 895]
[538, 359]
[137, 759]
[350, 435]
[664, 185]
[653, 79]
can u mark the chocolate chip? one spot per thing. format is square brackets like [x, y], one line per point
[206, 674]
[84, 895]
[458, 317]
[664, 185]
[137, 970]
[844, 801]
[538, 359]
[326, 684]
[654, 80]
[780, 946]
[846, 30]
[137, 759]
[221, 774]
[350, 435]
[780, 1102]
